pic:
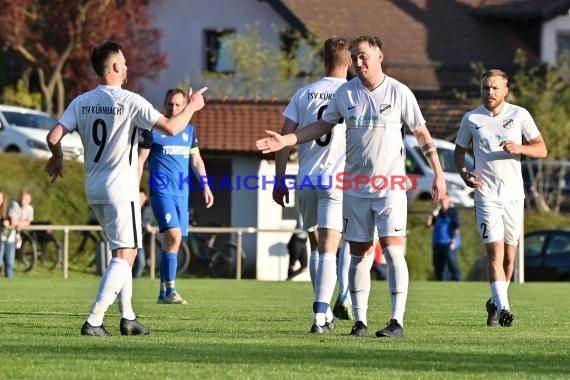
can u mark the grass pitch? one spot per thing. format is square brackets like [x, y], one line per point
[259, 330]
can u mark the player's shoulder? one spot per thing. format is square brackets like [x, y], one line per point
[516, 110]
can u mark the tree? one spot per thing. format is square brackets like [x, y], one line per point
[263, 70]
[54, 40]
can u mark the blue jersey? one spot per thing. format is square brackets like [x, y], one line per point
[169, 160]
[444, 226]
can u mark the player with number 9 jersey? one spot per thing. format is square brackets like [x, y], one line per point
[107, 119]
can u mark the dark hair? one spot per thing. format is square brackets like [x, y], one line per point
[101, 53]
[170, 93]
[372, 40]
[336, 52]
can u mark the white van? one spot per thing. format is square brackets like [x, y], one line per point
[460, 195]
[24, 130]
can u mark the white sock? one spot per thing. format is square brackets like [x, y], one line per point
[125, 296]
[500, 297]
[359, 285]
[398, 280]
[342, 269]
[324, 284]
[313, 267]
[110, 285]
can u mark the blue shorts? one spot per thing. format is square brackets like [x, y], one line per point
[170, 211]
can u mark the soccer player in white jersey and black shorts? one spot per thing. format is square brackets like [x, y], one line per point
[319, 161]
[375, 108]
[495, 130]
[107, 119]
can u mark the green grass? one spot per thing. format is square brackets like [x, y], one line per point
[258, 330]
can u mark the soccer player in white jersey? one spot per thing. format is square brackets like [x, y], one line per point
[107, 118]
[319, 161]
[495, 130]
[375, 108]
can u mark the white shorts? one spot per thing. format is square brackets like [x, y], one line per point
[321, 208]
[121, 222]
[500, 220]
[362, 216]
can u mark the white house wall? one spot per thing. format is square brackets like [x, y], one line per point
[244, 206]
[550, 30]
[272, 255]
[182, 23]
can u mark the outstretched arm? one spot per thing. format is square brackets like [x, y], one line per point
[275, 142]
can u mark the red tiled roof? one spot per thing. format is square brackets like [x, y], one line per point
[428, 44]
[234, 126]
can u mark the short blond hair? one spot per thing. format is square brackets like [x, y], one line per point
[495, 73]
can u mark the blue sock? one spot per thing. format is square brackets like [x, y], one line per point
[171, 264]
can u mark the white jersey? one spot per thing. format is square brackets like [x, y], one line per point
[374, 131]
[107, 119]
[324, 156]
[498, 171]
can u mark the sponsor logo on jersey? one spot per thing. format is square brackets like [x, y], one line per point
[508, 124]
[385, 109]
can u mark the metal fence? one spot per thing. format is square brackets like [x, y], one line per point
[238, 231]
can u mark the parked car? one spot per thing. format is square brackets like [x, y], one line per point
[547, 255]
[24, 130]
[460, 194]
[549, 177]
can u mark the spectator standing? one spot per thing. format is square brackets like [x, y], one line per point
[446, 240]
[20, 214]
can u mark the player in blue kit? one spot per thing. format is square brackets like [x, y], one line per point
[169, 158]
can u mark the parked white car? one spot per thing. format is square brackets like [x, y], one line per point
[460, 195]
[24, 130]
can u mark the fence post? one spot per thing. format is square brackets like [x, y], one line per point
[65, 264]
[152, 253]
[238, 254]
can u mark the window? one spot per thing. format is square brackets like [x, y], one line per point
[30, 120]
[533, 244]
[558, 244]
[562, 43]
[304, 53]
[446, 160]
[218, 51]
